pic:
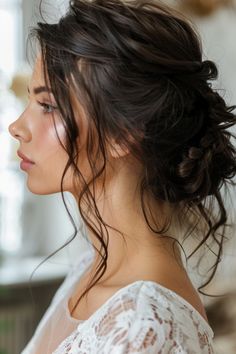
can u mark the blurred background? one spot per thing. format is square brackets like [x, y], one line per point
[33, 227]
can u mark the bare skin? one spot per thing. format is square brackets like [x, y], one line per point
[173, 278]
[146, 256]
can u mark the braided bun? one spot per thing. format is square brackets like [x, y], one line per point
[208, 164]
[205, 168]
[203, 159]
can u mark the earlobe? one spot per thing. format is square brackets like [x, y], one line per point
[116, 150]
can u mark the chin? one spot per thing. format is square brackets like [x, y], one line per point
[41, 189]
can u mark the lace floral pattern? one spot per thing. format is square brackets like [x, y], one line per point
[143, 317]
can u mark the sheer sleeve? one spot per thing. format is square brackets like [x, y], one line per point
[75, 270]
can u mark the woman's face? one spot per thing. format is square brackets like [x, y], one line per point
[38, 141]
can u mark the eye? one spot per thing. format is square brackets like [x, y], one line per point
[47, 108]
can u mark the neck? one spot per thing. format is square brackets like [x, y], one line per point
[140, 248]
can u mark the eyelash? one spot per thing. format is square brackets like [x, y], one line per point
[46, 107]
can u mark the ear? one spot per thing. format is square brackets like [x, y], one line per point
[116, 150]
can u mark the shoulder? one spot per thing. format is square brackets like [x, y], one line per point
[140, 318]
[146, 318]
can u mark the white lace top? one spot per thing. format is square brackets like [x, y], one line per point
[142, 317]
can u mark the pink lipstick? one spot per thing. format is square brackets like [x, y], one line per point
[26, 163]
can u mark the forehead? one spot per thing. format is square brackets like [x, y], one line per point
[37, 85]
[37, 78]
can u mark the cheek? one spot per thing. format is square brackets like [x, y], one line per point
[50, 160]
[46, 142]
[45, 178]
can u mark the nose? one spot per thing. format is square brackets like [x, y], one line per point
[19, 131]
[11, 130]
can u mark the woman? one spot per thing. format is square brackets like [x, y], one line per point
[121, 114]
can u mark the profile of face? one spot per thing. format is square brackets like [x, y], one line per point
[37, 130]
[40, 131]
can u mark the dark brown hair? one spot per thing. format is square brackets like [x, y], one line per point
[143, 76]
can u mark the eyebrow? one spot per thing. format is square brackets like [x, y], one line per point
[40, 89]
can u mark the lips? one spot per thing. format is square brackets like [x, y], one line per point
[23, 157]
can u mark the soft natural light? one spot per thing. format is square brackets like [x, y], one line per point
[11, 186]
[10, 38]
[11, 191]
